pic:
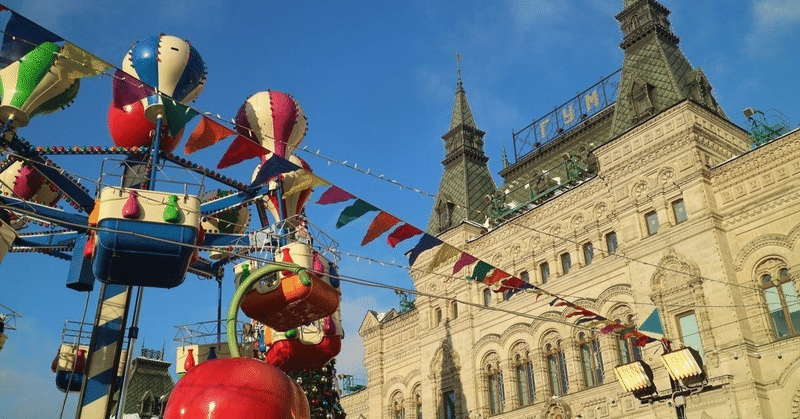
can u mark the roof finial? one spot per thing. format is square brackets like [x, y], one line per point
[458, 67]
[505, 156]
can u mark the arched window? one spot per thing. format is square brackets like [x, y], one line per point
[494, 384]
[397, 409]
[523, 368]
[780, 293]
[591, 359]
[418, 403]
[628, 351]
[557, 368]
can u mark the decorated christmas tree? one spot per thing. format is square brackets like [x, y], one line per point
[322, 391]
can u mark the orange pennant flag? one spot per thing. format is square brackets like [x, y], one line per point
[379, 225]
[207, 133]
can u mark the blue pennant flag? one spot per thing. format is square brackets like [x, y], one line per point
[274, 166]
[425, 243]
[20, 36]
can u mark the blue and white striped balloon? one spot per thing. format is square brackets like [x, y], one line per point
[169, 64]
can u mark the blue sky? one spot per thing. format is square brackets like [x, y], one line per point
[376, 80]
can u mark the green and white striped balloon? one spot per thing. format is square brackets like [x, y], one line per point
[35, 84]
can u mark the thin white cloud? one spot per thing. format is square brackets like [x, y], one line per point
[775, 22]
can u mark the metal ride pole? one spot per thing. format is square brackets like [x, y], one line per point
[105, 349]
[133, 334]
[108, 334]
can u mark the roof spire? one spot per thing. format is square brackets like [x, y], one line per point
[462, 114]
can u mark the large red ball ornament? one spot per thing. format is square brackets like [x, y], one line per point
[241, 388]
[130, 128]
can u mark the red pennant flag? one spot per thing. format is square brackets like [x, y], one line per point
[334, 195]
[611, 327]
[207, 133]
[404, 232]
[240, 150]
[379, 225]
[497, 275]
[581, 312]
[465, 260]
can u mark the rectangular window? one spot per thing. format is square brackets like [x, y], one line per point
[566, 262]
[454, 310]
[679, 210]
[449, 405]
[525, 277]
[592, 361]
[557, 369]
[652, 222]
[496, 394]
[544, 269]
[487, 297]
[690, 331]
[628, 351]
[525, 384]
[588, 253]
[437, 320]
[611, 242]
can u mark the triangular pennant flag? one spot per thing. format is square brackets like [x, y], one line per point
[272, 167]
[382, 223]
[653, 324]
[465, 260]
[611, 327]
[426, 242]
[21, 36]
[514, 285]
[581, 312]
[207, 133]
[497, 275]
[240, 150]
[178, 115]
[643, 340]
[445, 253]
[334, 195]
[305, 181]
[479, 271]
[404, 232]
[77, 63]
[586, 319]
[563, 303]
[129, 89]
[354, 211]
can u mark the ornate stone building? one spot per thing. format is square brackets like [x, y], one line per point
[661, 206]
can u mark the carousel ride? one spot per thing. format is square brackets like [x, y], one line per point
[152, 207]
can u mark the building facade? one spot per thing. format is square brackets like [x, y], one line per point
[661, 207]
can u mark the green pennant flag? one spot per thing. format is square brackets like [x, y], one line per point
[354, 211]
[480, 271]
[177, 115]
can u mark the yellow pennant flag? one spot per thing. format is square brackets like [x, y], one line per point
[445, 253]
[76, 63]
[305, 180]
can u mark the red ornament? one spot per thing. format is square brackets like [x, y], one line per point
[80, 361]
[189, 363]
[130, 128]
[131, 208]
[236, 388]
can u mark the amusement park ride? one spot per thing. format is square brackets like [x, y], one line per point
[143, 211]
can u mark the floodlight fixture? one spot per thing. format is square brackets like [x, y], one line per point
[685, 365]
[637, 378]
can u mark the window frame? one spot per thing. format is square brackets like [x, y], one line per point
[437, 316]
[686, 314]
[523, 370]
[608, 237]
[555, 356]
[566, 262]
[453, 310]
[647, 224]
[588, 253]
[777, 286]
[682, 204]
[591, 344]
[544, 271]
[487, 297]
[634, 352]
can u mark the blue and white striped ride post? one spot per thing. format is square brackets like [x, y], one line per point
[105, 350]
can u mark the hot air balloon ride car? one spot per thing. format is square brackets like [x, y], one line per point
[307, 347]
[284, 301]
[36, 84]
[144, 237]
[7, 234]
[21, 180]
[69, 365]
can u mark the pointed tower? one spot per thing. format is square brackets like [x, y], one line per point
[466, 179]
[655, 73]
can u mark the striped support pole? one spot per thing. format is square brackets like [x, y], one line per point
[105, 350]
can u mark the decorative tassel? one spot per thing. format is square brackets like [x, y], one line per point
[80, 361]
[95, 214]
[316, 265]
[286, 258]
[329, 327]
[333, 275]
[262, 345]
[171, 212]
[212, 354]
[54, 365]
[291, 334]
[131, 208]
[88, 249]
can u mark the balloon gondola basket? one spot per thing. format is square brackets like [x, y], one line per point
[70, 361]
[307, 347]
[283, 300]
